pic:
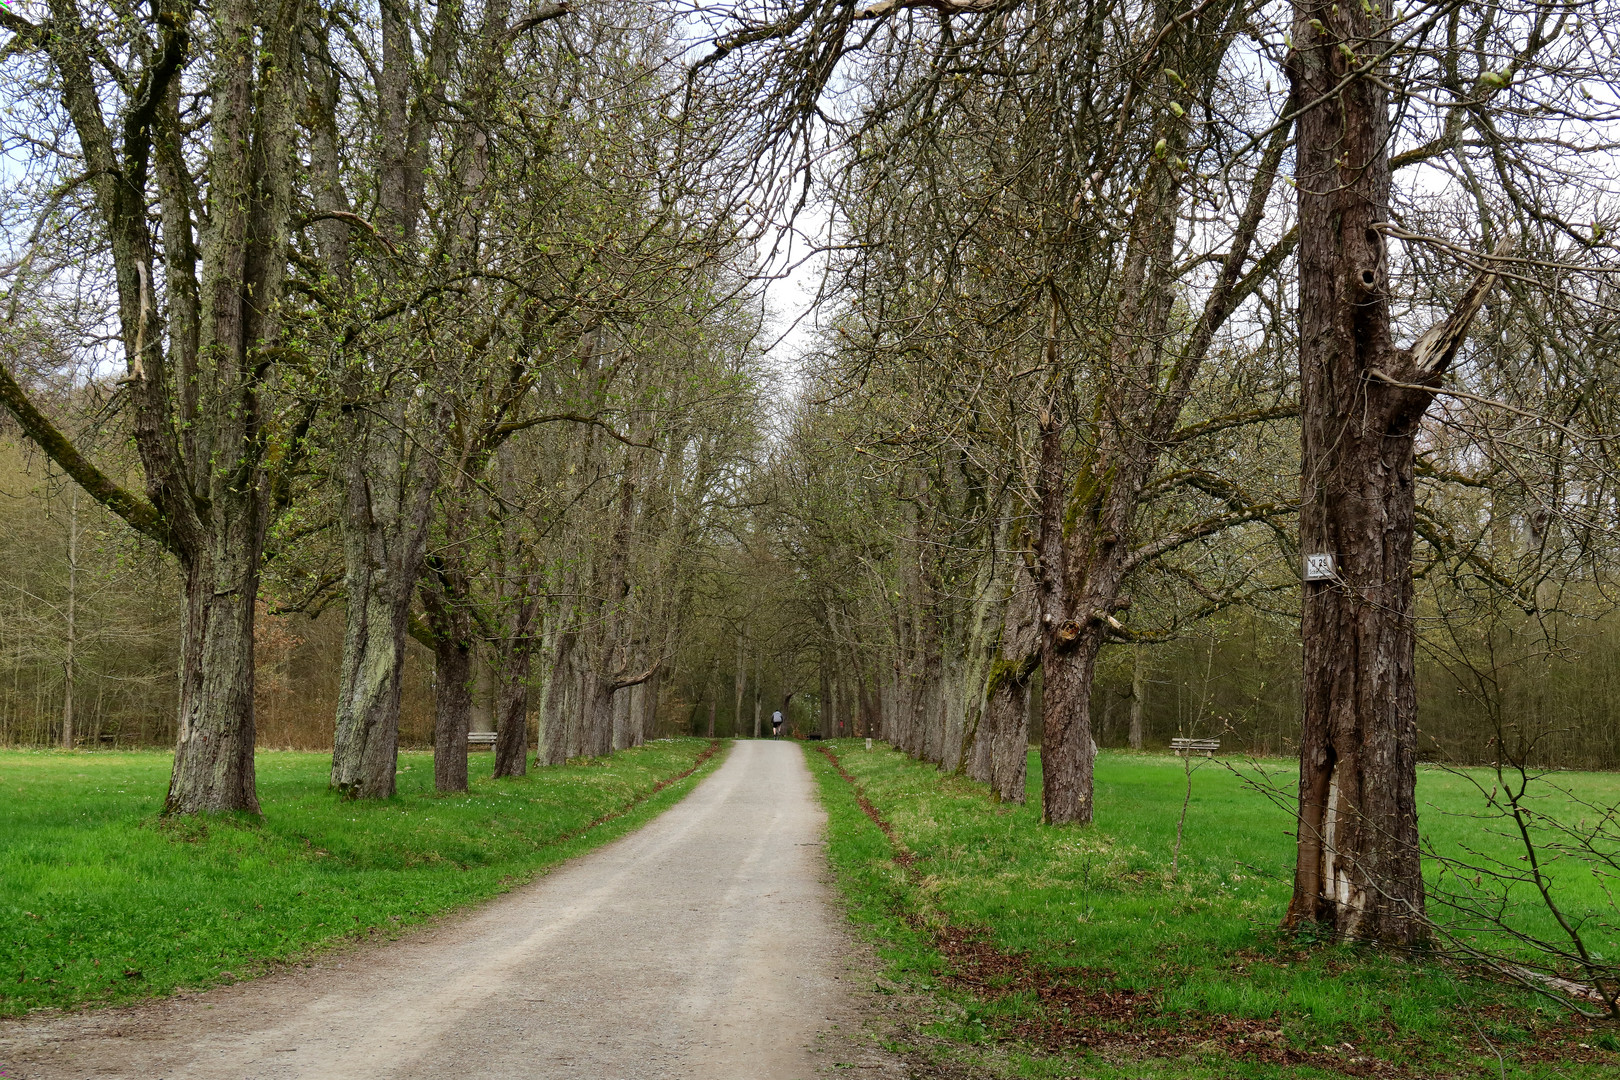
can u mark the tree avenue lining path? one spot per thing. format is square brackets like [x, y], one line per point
[704, 946]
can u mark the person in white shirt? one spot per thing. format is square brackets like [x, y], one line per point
[776, 722]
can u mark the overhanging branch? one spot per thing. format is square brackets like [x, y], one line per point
[141, 515]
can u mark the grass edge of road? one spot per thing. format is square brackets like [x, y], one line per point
[613, 824]
[890, 897]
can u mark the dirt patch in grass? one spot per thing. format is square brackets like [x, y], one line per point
[902, 854]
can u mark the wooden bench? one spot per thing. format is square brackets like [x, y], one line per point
[1207, 747]
[480, 740]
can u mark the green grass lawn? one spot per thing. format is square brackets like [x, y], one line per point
[102, 901]
[1094, 960]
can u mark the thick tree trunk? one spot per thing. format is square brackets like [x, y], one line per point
[1008, 710]
[554, 714]
[213, 755]
[389, 480]
[512, 714]
[1358, 873]
[365, 749]
[1067, 749]
[871, 698]
[522, 608]
[623, 700]
[980, 758]
[451, 625]
[596, 709]
[645, 717]
[452, 713]
[200, 438]
[384, 531]
[1070, 641]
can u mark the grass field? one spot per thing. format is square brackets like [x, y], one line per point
[1074, 952]
[103, 901]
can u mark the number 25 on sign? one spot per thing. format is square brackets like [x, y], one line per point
[1319, 568]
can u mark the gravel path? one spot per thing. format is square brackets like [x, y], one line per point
[704, 946]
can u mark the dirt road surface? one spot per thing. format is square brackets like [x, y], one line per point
[705, 946]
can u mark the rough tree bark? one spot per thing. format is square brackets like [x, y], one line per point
[561, 702]
[512, 714]
[1018, 654]
[385, 519]
[1087, 509]
[645, 718]
[452, 705]
[446, 593]
[1358, 873]
[202, 440]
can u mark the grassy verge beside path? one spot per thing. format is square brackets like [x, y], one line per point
[1075, 952]
[102, 901]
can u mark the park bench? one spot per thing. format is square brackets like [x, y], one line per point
[1207, 747]
[480, 740]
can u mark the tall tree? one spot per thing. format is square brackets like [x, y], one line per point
[1363, 401]
[202, 342]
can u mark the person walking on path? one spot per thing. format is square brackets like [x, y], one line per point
[776, 722]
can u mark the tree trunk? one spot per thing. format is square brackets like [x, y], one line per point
[756, 695]
[1067, 749]
[521, 601]
[596, 714]
[68, 660]
[452, 713]
[871, 708]
[622, 703]
[512, 714]
[1139, 685]
[451, 626]
[824, 704]
[213, 754]
[384, 531]
[561, 694]
[980, 758]
[1009, 707]
[740, 680]
[645, 717]
[1358, 873]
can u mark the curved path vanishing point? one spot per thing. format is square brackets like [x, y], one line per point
[704, 946]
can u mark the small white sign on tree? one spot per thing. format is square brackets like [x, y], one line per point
[1319, 567]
